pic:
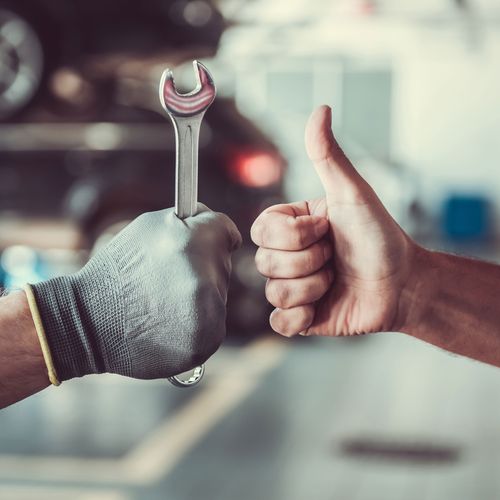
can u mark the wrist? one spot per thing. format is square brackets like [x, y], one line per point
[17, 318]
[22, 367]
[419, 290]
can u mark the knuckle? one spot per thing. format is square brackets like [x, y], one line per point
[312, 259]
[277, 293]
[257, 231]
[296, 234]
[259, 260]
[305, 262]
[309, 290]
[296, 267]
[302, 236]
[264, 262]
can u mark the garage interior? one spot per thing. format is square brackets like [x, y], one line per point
[85, 148]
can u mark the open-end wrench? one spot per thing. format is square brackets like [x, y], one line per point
[186, 112]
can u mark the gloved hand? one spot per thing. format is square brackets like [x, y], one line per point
[151, 304]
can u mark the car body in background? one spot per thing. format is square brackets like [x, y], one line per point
[94, 149]
[101, 175]
[39, 36]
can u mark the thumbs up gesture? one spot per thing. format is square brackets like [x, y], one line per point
[336, 265]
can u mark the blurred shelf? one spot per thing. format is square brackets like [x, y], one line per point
[39, 233]
[100, 136]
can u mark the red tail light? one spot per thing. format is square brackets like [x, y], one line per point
[257, 170]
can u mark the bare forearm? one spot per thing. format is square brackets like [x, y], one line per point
[454, 303]
[22, 368]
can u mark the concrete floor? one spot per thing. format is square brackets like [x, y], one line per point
[380, 417]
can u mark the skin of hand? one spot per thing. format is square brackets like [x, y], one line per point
[336, 265]
[22, 368]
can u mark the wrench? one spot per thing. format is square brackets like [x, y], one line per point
[186, 112]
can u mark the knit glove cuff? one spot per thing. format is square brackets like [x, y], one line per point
[76, 347]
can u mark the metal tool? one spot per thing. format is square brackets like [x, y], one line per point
[186, 112]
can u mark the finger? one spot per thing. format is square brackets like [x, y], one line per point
[282, 230]
[284, 264]
[296, 209]
[221, 225]
[233, 235]
[290, 322]
[340, 180]
[287, 293]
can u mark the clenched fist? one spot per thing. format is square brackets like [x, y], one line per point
[151, 304]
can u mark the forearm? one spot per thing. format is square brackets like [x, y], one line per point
[454, 303]
[22, 368]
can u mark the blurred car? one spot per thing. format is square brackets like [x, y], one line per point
[103, 174]
[38, 36]
[96, 149]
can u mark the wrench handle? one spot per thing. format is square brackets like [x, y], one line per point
[187, 133]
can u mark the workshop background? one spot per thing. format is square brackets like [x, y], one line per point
[85, 147]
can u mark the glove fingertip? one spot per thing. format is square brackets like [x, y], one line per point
[202, 208]
[235, 238]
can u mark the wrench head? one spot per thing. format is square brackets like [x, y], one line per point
[193, 103]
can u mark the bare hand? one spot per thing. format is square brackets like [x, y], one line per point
[337, 265]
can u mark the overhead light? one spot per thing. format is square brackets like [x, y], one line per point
[197, 13]
[257, 170]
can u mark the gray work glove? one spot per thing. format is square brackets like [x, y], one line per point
[151, 304]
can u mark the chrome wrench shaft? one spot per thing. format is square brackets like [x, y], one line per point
[186, 112]
[187, 132]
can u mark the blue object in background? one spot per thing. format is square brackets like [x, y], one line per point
[467, 218]
[2, 278]
[20, 265]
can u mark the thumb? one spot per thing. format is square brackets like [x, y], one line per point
[340, 180]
